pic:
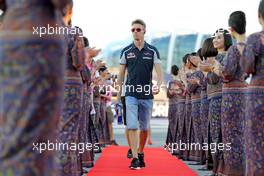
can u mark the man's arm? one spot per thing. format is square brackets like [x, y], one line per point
[120, 80]
[157, 65]
[159, 75]
[121, 75]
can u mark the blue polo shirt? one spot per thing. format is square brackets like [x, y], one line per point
[139, 65]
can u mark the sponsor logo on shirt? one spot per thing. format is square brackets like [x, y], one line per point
[131, 55]
[147, 54]
[148, 58]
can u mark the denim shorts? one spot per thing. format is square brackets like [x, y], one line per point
[138, 113]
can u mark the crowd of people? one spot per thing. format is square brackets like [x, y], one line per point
[216, 102]
[53, 92]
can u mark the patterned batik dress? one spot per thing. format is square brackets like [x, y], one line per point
[253, 63]
[31, 87]
[233, 106]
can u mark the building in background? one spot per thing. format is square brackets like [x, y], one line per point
[172, 47]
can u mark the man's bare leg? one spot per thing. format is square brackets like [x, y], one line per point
[127, 137]
[143, 138]
[133, 137]
[149, 137]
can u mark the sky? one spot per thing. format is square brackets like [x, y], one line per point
[107, 21]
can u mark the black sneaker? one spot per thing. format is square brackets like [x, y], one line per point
[135, 164]
[141, 160]
[129, 154]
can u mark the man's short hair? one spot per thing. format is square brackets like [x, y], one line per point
[139, 21]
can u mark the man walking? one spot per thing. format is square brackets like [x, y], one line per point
[139, 59]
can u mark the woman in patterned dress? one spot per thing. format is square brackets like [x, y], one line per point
[85, 130]
[92, 125]
[253, 63]
[222, 41]
[31, 82]
[207, 51]
[180, 113]
[98, 118]
[176, 89]
[72, 105]
[188, 106]
[195, 89]
[171, 94]
[171, 114]
[103, 73]
[233, 101]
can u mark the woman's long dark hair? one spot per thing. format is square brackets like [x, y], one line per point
[208, 49]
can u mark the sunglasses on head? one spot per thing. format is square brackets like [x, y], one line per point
[136, 29]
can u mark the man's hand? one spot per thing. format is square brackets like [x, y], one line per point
[156, 89]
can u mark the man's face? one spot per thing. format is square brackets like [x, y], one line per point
[138, 32]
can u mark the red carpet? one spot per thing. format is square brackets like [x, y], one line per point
[113, 162]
